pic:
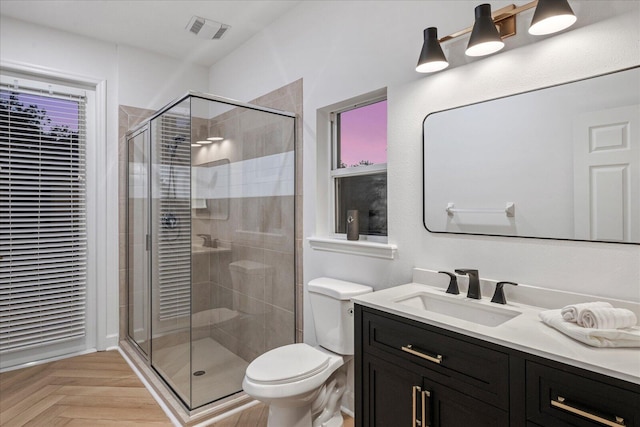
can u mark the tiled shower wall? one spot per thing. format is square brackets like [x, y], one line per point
[210, 285]
[249, 311]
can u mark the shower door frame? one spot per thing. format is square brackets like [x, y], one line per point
[208, 97]
[143, 129]
[145, 126]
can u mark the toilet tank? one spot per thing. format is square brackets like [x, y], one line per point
[332, 310]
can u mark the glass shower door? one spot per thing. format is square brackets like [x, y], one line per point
[211, 247]
[171, 248]
[138, 240]
[243, 257]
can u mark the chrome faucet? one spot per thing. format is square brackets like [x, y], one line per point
[474, 282]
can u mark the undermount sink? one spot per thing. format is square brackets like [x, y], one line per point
[467, 309]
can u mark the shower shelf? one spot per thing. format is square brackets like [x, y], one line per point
[204, 249]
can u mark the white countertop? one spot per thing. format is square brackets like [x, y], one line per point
[525, 332]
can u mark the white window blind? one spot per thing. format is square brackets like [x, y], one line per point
[174, 231]
[43, 239]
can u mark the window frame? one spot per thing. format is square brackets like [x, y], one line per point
[335, 172]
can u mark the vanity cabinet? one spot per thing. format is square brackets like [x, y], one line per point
[418, 376]
[413, 374]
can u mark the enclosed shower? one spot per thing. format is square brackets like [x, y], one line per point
[210, 226]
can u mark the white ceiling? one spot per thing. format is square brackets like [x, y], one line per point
[158, 26]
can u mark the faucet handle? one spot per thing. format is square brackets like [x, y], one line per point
[498, 295]
[453, 283]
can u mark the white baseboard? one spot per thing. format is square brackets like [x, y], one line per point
[110, 342]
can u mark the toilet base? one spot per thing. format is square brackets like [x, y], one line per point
[324, 411]
[300, 417]
[336, 421]
[326, 407]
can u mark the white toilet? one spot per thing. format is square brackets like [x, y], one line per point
[303, 385]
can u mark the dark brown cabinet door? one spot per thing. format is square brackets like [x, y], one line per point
[388, 394]
[396, 397]
[449, 408]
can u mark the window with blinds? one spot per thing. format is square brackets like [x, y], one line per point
[43, 250]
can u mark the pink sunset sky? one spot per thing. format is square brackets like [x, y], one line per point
[363, 134]
[61, 111]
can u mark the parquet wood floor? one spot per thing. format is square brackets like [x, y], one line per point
[97, 389]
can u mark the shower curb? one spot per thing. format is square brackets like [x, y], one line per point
[175, 410]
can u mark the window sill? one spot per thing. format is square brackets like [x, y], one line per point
[354, 247]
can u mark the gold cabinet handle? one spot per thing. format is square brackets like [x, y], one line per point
[424, 395]
[426, 419]
[409, 349]
[415, 421]
[560, 403]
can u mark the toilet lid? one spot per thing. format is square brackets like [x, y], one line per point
[287, 363]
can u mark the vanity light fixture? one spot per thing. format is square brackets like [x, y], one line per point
[204, 142]
[195, 144]
[431, 56]
[214, 138]
[551, 16]
[485, 38]
[490, 29]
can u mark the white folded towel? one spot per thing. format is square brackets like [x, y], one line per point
[607, 318]
[571, 313]
[627, 337]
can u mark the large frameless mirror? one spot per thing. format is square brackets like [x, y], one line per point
[561, 162]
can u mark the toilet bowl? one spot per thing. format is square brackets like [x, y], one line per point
[289, 379]
[303, 385]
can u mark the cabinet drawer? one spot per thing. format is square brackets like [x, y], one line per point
[559, 398]
[469, 368]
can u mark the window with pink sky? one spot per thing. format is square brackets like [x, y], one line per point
[362, 135]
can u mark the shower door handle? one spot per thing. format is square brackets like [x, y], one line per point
[147, 242]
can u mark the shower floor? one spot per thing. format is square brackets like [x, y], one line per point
[223, 370]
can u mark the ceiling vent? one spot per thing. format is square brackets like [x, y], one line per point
[206, 28]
